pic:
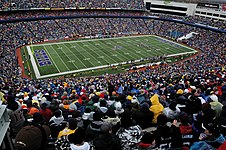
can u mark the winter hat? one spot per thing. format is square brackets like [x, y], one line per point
[119, 110]
[105, 96]
[193, 87]
[38, 118]
[134, 100]
[25, 94]
[129, 97]
[161, 119]
[118, 104]
[43, 105]
[106, 127]
[180, 91]
[91, 95]
[72, 123]
[97, 93]
[186, 91]
[97, 116]
[72, 107]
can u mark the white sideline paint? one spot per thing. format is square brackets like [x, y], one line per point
[34, 65]
[37, 73]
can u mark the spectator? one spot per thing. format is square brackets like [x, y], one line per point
[107, 140]
[57, 123]
[16, 115]
[156, 107]
[172, 112]
[129, 134]
[45, 112]
[33, 137]
[167, 137]
[147, 142]
[77, 140]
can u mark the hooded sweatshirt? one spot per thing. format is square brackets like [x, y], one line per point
[217, 107]
[156, 107]
[84, 146]
[56, 120]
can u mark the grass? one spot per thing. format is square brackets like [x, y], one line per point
[89, 54]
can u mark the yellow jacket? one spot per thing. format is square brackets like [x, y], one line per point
[156, 107]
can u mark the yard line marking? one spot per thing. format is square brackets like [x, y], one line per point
[73, 46]
[60, 58]
[86, 59]
[126, 37]
[94, 58]
[101, 52]
[134, 47]
[116, 52]
[83, 55]
[75, 55]
[68, 57]
[52, 59]
[118, 38]
[71, 61]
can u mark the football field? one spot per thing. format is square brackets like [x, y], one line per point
[52, 59]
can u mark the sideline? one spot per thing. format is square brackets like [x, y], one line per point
[20, 62]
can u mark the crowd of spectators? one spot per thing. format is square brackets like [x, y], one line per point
[27, 4]
[183, 103]
[70, 13]
[41, 14]
[196, 19]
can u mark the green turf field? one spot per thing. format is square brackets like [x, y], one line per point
[74, 56]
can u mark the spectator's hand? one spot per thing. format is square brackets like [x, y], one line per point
[174, 122]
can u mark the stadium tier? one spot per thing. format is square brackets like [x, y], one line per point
[26, 4]
[111, 79]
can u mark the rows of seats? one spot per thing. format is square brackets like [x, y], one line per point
[27, 4]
